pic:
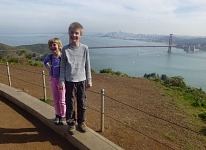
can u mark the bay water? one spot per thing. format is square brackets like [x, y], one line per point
[132, 61]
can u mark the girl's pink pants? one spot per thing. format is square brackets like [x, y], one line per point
[58, 97]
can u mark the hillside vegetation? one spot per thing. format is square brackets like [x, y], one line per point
[25, 54]
[6, 47]
[194, 96]
[37, 48]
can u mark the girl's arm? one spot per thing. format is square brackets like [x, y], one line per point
[46, 62]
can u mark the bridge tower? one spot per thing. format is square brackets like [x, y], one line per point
[170, 44]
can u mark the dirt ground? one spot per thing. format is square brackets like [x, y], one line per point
[19, 130]
[138, 113]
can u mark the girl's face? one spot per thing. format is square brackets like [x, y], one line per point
[54, 47]
[74, 36]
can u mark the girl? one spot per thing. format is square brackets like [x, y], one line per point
[52, 63]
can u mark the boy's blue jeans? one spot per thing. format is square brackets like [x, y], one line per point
[75, 90]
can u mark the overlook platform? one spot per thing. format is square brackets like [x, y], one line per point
[45, 113]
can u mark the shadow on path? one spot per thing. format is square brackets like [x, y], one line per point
[35, 132]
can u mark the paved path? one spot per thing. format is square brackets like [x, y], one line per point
[44, 113]
[19, 130]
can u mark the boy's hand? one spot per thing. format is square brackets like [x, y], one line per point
[88, 86]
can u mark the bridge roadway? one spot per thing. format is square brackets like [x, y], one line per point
[132, 46]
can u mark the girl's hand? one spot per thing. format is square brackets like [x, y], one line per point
[48, 67]
[61, 87]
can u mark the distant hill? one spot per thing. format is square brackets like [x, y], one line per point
[37, 48]
[6, 47]
[35, 52]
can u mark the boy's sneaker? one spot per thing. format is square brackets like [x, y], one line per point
[82, 127]
[56, 120]
[62, 121]
[71, 129]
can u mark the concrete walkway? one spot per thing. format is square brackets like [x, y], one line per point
[45, 113]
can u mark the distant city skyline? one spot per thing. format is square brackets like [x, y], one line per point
[185, 17]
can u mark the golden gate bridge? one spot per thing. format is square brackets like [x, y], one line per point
[169, 46]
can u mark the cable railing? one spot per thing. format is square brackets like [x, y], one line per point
[101, 95]
[137, 109]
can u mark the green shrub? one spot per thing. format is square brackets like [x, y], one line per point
[29, 56]
[13, 60]
[175, 81]
[164, 77]
[196, 97]
[35, 63]
[110, 72]
[1, 58]
[151, 76]
[92, 70]
[48, 100]
[21, 52]
[202, 115]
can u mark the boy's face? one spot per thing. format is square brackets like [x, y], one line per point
[74, 35]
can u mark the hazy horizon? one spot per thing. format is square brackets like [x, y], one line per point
[185, 17]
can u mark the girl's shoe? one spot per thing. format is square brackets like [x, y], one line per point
[62, 121]
[56, 120]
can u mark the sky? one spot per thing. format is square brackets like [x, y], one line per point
[180, 17]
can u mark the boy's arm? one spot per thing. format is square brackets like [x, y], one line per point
[88, 70]
[62, 69]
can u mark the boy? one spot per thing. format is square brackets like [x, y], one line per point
[75, 76]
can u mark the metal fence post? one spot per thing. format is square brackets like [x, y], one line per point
[102, 110]
[44, 86]
[8, 73]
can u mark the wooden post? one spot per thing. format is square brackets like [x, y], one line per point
[8, 73]
[102, 110]
[44, 86]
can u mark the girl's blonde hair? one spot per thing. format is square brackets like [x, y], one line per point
[57, 41]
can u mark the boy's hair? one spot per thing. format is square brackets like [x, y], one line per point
[76, 25]
[57, 41]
